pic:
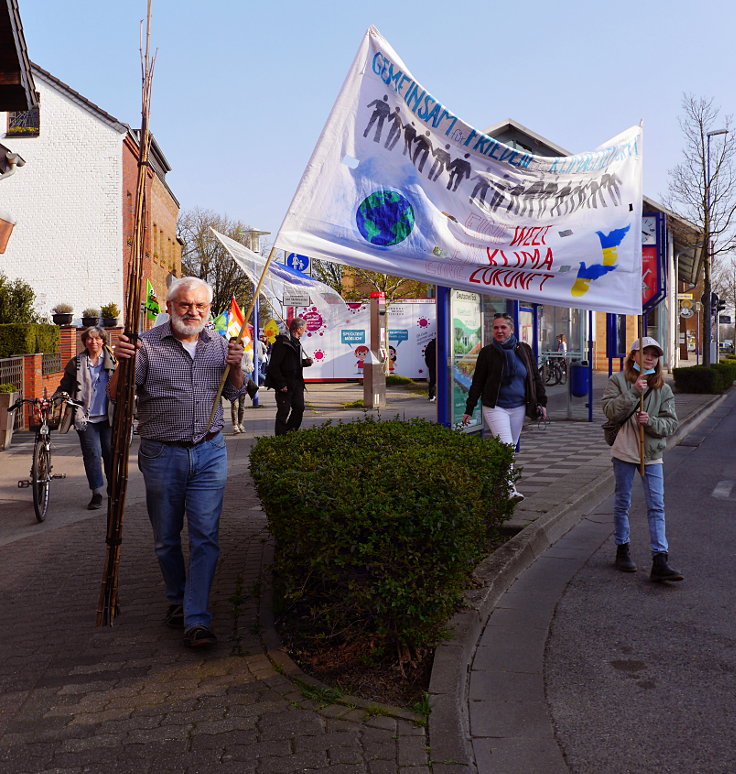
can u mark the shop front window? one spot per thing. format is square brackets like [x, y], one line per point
[554, 320]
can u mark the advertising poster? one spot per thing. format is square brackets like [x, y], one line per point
[339, 348]
[467, 341]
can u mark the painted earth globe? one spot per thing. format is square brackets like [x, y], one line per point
[385, 218]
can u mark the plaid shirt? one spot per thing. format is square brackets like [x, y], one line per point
[176, 393]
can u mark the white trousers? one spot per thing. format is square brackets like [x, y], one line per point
[505, 423]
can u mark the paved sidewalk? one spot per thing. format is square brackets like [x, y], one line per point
[76, 698]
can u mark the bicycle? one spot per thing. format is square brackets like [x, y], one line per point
[47, 415]
[553, 369]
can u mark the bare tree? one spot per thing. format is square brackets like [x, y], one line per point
[331, 274]
[362, 282]
[702, 188]
[355, 284]
[724, 280]
[204, 256]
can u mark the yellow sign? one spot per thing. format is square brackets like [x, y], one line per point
[686, 304]
[684, 296]
[271, 329]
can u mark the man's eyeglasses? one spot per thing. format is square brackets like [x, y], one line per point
[184, 307]
[502, 314]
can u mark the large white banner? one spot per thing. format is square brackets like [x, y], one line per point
[400, 184]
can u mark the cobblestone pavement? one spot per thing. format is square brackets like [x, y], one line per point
[130, 698]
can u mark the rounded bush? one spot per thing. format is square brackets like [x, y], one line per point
[378, 525]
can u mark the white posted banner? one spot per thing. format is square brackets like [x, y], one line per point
[399, 184]
[283, 285]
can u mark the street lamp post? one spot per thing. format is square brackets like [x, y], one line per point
[253, 238]
[708, 263]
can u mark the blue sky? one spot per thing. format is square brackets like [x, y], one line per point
[242, 89]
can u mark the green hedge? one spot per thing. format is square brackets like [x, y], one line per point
[704, 379]
[378, 525]
[28, 338]
[728, 370]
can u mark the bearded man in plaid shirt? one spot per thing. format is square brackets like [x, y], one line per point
[179, 365]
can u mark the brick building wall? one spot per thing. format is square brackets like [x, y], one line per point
[66, 243]
[162, 255]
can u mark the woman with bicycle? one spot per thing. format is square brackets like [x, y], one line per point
[85, 380]
[507, 381]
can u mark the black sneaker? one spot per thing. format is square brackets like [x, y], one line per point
[95, 503]
[175, 617]
[199, 636]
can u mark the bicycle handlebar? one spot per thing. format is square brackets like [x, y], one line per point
[62, 396]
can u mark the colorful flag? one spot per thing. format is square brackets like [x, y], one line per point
[152, 305]
[235, 319]
[219, 324]
[399, 184]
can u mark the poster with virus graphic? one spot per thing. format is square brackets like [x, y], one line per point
[339, 349]
[400, 184]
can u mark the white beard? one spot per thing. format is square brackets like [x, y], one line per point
[186, 329]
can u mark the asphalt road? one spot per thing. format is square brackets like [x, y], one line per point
[641, 677]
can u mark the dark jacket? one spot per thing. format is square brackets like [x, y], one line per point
[286, 363]
[488, 377]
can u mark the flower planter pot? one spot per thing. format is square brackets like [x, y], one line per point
[7, 420]
[62, 318]
[6, 229]
[109, 322]
[88, 322]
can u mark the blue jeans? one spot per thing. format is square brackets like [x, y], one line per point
[653, 484]
[96, 443]
[192, 481]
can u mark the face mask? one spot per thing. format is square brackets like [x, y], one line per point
[647, 372]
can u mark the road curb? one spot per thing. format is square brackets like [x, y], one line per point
[449, 734]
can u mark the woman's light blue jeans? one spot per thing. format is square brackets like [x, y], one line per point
[192, 481]
[653, 484]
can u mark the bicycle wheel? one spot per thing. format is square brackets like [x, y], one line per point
[41, 478]
[548, 373]
[563, 373]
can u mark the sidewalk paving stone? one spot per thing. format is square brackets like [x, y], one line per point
[130, 698]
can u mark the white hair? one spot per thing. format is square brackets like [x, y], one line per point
[188, 282]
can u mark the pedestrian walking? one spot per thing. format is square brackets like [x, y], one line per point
[430, 360]
[285, 375]
[642, 376]
[85, 379]
[507, 381]
[237, 406]
[261, 349]
[182, 457]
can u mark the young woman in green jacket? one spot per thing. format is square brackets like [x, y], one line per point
[641, 376]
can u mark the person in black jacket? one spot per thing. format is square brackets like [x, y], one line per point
[286, 377]
[507, 381]
[430, 359]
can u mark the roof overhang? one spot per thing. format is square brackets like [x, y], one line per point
[687, 241]
[17, 90]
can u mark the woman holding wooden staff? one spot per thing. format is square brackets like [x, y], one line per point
[642, 405]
